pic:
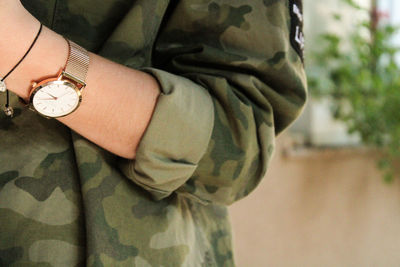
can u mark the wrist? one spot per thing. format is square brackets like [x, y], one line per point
[46, 58]
[17, 30]
[10, 9]
[14, 19]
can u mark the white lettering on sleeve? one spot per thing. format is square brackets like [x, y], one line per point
[296, 10]
[299, 38]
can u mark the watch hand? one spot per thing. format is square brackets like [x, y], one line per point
[46, 99]
[51, 95]
[63, 94]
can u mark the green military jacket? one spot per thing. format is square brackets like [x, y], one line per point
[230, 80]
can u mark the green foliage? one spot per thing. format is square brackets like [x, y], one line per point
[360, 75]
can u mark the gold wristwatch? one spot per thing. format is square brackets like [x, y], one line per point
[59, 96]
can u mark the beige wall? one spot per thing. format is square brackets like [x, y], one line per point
[319, 208]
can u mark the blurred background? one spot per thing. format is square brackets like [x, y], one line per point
[331, 196]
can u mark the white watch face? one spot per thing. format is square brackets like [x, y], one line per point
[56, 98]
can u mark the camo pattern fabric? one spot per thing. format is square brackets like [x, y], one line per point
[230, 82]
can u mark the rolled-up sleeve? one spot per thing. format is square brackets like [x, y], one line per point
[176, 138]
[230, 83]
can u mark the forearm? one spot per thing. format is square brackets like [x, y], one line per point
[117, 102]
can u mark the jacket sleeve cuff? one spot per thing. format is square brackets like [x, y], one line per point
[176, 138]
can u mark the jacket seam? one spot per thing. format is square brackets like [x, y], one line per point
[54, 14]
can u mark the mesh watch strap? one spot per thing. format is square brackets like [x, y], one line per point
[78, 62]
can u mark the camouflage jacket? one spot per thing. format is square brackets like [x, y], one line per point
[230, 79]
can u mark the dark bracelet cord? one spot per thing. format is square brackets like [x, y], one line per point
[34, 41]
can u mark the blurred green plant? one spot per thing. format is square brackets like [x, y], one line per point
[360, 76]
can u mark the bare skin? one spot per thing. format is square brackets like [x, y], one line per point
[118, 102]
